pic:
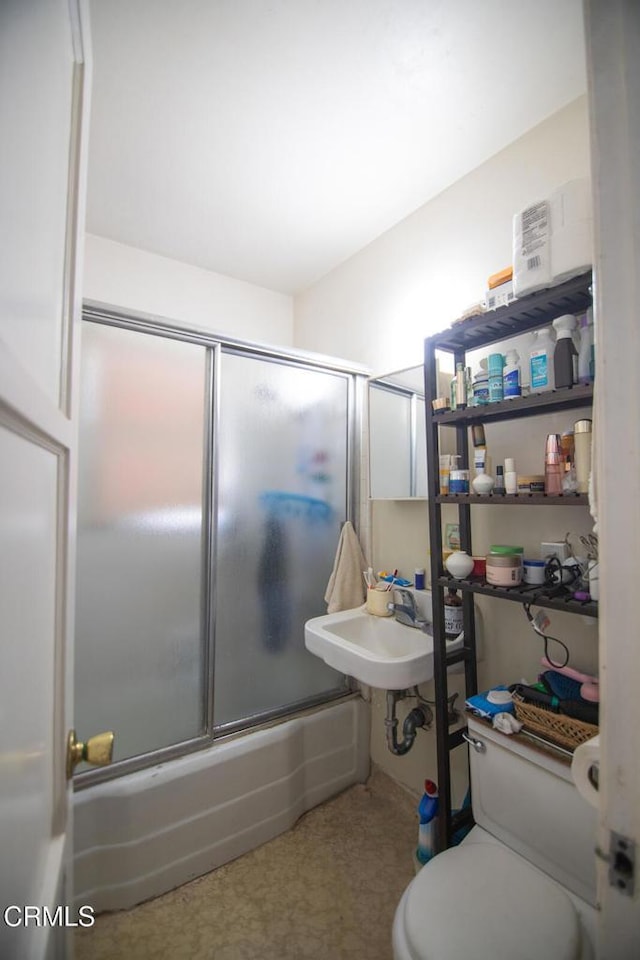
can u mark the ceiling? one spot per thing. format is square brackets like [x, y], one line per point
[270, 140]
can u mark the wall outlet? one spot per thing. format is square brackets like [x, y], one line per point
[559, 550]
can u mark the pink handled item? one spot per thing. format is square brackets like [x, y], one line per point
[590, 689]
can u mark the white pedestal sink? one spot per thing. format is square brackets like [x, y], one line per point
[377, 651]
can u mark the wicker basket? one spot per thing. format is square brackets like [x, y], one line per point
[557, 727]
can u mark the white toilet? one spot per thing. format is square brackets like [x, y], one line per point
[522, 883]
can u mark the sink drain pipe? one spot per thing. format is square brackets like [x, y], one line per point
[418, 717]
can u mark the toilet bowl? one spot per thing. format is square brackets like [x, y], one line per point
[482, 900]
[522, 883]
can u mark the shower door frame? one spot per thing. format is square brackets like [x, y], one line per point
[356, 378]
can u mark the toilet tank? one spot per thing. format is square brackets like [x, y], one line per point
[525, 797]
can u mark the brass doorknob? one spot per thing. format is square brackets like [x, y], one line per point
[97, 750]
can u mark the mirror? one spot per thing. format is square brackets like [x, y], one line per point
[397, 439]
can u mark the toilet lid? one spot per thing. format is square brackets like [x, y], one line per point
[481, 900]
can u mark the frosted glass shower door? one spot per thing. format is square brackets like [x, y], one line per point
[282, 454]
[140, 622]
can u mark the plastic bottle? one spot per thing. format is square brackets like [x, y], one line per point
[444, 471]
[565, 355]
[553, 465]
[453, 617]
[481, 388]
[427, 815]
[541, 362]
[461, 387]
[418, 578]
[582, 440]
[468, 379]
[496, 366]
[586, 352]
[511, 375]
[498, 487]
[510, 476]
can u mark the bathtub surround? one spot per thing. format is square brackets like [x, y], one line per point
[124, 276]
[325, 890]
[213, 479]
[143, 834]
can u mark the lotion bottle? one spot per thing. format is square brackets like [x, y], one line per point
[582, 441]
[510, 476]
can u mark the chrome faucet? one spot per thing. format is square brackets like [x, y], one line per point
[406, 611]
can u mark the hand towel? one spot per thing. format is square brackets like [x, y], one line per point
[346, 588]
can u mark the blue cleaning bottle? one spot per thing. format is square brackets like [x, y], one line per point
[427, 815]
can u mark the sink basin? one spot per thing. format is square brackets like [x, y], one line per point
[377, 651]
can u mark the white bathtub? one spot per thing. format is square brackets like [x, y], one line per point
[145, 833]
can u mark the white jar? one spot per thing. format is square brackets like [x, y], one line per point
[533, 571]
[459, 564]
[482, 483]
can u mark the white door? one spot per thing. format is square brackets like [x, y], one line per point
[613, 41]
[43, 97]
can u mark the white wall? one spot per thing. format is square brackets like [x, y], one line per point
[134, 279]
[378, 306]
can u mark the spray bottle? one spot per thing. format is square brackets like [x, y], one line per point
[427, 815]
[586, 352]
[565, 355]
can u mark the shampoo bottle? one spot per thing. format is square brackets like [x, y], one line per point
[541, 362]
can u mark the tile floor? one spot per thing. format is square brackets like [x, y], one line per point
[325, 890]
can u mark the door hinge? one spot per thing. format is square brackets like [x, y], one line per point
[622, 863]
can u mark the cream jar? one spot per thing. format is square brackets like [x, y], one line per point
[504, 570]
